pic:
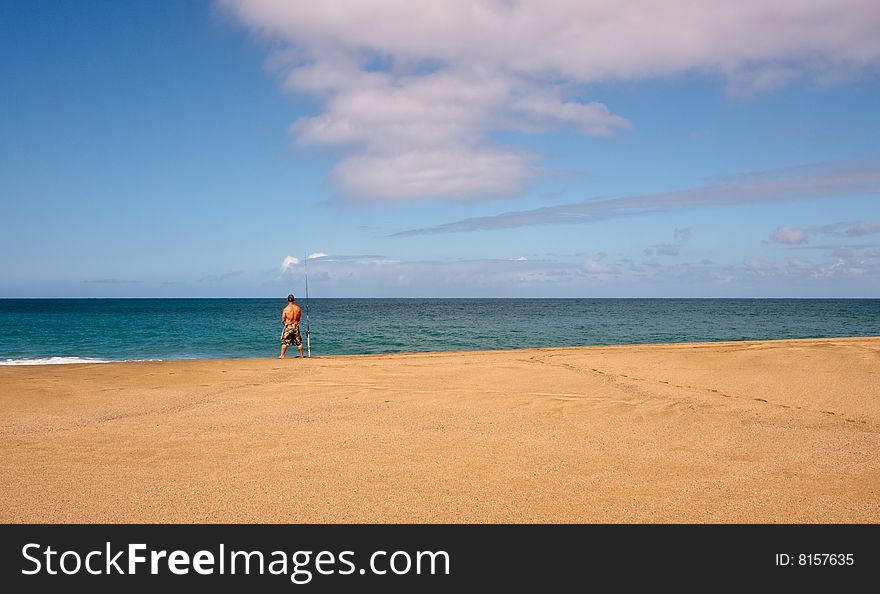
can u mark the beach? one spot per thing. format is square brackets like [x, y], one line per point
[767, 431]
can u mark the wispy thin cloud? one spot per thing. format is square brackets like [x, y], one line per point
[219, 278]
[790, 236]
[758, 265]
[349, 257]
[680, 237]
[794, 236]
[113, 281]
[593, 274]
[861, 230]
[664, 249]
[598, 264]
[851, 229]
[799, 264]
[834, 246]
[824, 180]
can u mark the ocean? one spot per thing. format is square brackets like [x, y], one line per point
[35, 331]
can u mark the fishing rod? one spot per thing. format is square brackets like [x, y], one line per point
[308, 323]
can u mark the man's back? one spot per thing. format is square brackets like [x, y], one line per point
[292, 313]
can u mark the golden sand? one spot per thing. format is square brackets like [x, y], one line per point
[778, 431]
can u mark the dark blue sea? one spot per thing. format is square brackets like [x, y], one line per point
[73, 330]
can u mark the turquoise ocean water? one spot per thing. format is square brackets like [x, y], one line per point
[72, 330]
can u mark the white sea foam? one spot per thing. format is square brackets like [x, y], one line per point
[60, 361]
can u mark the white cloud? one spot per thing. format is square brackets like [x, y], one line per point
[288, 263]
[585, 40]
[315, 255]
[590, 118]
[434, 78]
[451, 172]
[790, 236]
[424, 134]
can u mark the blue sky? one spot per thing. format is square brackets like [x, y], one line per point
[457, 149]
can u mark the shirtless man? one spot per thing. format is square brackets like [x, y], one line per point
[290, 316]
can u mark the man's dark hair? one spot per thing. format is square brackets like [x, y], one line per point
[290, 298]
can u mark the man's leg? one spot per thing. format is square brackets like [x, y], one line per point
[283, 350]
[300, 347]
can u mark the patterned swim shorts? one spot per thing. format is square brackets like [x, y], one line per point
[291, 334]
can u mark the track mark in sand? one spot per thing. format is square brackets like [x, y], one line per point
[107, 418]
[356, 385]
[698, 389]
[633, 394]
[197, 401]
[398, 389]
[146, 413]
[561, 395]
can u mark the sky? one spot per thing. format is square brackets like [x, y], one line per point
[442, 148]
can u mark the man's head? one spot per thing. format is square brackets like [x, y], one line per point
[290, 298]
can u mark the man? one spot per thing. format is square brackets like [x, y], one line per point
[290, 316]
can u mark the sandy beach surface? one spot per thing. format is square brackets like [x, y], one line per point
[777, 431]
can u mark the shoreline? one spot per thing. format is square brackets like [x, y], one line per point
[22, 362]
[696, 432]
